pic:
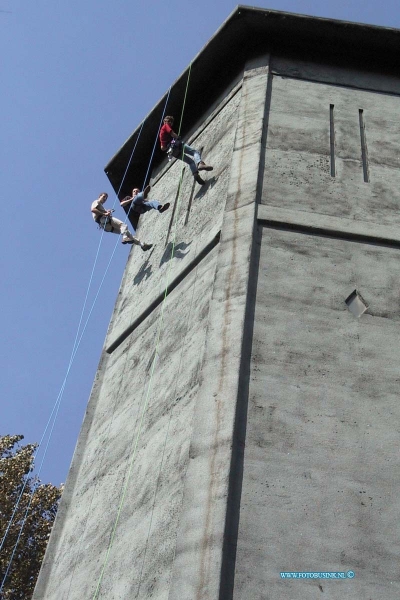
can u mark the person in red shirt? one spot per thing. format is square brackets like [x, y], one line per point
[175, 148]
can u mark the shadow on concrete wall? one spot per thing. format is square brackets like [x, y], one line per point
[204, 188]
[179, 251]
[143, 273]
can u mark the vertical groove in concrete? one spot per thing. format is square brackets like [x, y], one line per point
[364, 148]
[239, 432]
[332, 138]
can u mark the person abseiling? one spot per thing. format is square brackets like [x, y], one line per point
[175, 148]
[139, 204]
[112, 225]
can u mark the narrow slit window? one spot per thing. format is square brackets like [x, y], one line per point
[364, 149]
[332, 138]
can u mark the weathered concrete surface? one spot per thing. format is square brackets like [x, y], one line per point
[335, 74]
[199, 553]
[145, 536]
[320, 487]
[297, 168]
[337, 226]
[196, 215]
[320, 460]
[138, 427]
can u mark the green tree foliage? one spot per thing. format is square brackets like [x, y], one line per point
[16, 465]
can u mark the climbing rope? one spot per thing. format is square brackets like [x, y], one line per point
[55, 410]
[135, 442]
[127, 215]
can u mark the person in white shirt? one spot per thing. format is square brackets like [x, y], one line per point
[112, 225]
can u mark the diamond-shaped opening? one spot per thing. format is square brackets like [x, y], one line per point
[356, 304]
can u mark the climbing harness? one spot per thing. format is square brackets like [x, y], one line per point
[105, 222]
[174, 148]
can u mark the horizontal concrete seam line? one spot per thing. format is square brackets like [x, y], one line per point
[328, 222]
[220, 107]
[329, 232]
[343, 85]
[192, 265]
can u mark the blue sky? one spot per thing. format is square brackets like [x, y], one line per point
[77, 78]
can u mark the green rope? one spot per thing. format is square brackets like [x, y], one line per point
[145, 404]
[184, 100]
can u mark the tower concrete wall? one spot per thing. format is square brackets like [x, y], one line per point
[144, 506]
[319, 476]
[244, 423]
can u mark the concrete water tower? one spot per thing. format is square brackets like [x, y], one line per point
[245, 423]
